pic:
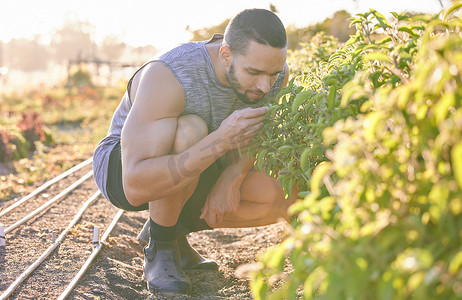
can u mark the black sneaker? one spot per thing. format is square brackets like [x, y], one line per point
[162, 269]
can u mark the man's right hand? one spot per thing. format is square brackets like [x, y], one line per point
[241, 127]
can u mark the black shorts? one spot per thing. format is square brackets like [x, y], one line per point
[191, 211]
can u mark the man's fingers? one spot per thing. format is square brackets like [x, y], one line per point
[209, 216]
[219, 219]
[204, 212]
[250, 113]
[212, 219]
[255, 128]
[255, 121]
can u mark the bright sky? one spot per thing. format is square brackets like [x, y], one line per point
[163, 23]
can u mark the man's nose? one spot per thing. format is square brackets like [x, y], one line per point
[263, 84]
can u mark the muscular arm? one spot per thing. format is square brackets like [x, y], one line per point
[225, 195]
[150, 172]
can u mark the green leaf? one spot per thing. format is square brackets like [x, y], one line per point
[331, 98]
[276, 257]
[350, 41]
[384, 41]
[284, 148]
[318, 174]
[415, 280]
[381, 19]
[408, 30]
[400, 17]
[456, 262]
[287, 89]
[303, 194]
[441, 109]
[349, 90]
[371, 122]
[453, 8]
[301, 98]
[355, 21]
[260, 159]
[259, 287]
[377, 56]
[418, 27]
[304, 162]
[364, 15]
[456, 157]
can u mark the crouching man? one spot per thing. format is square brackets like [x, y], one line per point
[171, 142]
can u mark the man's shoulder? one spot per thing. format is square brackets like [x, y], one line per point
[158, 83]
[181, 52]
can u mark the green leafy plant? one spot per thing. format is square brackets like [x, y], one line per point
[18, 140]
[315, 99]
[380, 216]
[80, 77]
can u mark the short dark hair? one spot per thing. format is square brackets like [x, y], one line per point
[259, 25]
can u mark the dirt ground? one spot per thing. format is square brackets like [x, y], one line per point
[117, 271]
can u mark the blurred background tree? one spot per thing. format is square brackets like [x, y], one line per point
[27, 55]
[111, 48]
[337, 26]
[73, 40]
[206, 33]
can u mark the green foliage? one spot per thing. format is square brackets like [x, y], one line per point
[206, 33]
[18, 140]
[297, 37]
[377, 151]
[13, 145]
[315, 100]
[309, 57]
[336, 26]
[80, 78]
[68, 124]
[79, 116]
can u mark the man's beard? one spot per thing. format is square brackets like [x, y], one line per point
[231, 76]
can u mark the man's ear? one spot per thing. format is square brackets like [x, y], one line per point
[225, 55]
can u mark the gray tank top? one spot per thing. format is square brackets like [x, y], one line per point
[204, 95]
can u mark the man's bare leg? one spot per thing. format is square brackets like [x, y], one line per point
[163, 265]
[262, 203]
[166, 211]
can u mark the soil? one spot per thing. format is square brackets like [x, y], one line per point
[117, 272]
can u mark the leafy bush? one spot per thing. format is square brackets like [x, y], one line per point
[315, 103]
[377, 149]
[80, 78]
[16, 141]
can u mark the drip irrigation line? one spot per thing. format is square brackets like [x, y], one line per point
[49, 202]
[50, 249]
[95, 252]
[46, 185]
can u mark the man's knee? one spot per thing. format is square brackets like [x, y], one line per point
[190, 129]
[260, 188]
